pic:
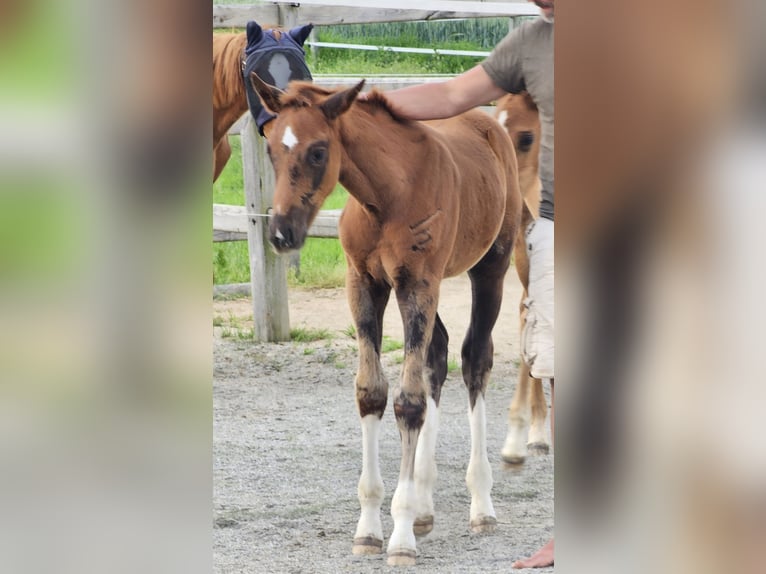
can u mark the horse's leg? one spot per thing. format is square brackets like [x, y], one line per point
[367, 300]
[515, 447]
[538, 441]
[425, 460]
[221, 154]
[487, 285]
[418, 299]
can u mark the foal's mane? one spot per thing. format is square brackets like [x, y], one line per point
[304, 94]
[227, 62]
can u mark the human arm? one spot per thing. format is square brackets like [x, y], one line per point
[445, 99]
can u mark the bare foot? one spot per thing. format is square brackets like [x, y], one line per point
[540, 559]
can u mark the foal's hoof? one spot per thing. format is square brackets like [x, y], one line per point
[401, 557]
[423, 525]
[513, 460]
[538, 448]
[484, 524]
[367, 545]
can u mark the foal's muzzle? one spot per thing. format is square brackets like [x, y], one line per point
[285, 234]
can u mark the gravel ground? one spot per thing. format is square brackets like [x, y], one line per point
[287, 458]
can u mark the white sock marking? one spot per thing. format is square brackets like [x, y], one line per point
[479, 475]
[403, 513]
[370, 488]
[425, 463]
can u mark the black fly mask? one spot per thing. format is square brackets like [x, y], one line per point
[277, 62]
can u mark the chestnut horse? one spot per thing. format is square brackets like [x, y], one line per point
[232, 53]
[517, 113]
[427, 201]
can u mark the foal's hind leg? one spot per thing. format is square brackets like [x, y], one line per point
[487, 283]
[367, 300]
[526, 435]
[425, 460]
[538, 440]
[515, 448]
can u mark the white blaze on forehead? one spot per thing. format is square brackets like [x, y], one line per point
[502, 117]
[289, 139]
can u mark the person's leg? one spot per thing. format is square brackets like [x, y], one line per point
[538, 337]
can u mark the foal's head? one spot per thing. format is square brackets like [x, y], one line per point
[518, 114]
[305, 150]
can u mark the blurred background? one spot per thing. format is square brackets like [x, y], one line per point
[105, 276]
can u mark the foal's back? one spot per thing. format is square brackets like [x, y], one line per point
[488, 189]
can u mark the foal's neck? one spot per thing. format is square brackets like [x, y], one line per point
[379, 156]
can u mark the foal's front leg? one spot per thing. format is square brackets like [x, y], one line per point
[367, 300]
[477, 353]
[417, 303]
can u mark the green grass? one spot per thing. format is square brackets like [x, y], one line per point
[234, 333]
[390, 344]
[345, 61]
[301, 335]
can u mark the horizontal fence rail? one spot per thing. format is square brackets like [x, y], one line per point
[230, 222]
[404, 50]
[323, 13]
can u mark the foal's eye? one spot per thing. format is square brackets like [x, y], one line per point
[317, 156]
[525, 141]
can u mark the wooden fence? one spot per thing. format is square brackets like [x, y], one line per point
[331, 12]
[268, 271]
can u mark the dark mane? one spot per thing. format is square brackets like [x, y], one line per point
[378, 100]
[227, 78]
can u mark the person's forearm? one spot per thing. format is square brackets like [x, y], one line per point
[424, 102]
[444, 99]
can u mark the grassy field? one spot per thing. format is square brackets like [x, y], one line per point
[322, 263]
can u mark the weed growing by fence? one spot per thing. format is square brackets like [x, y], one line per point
[302, 335]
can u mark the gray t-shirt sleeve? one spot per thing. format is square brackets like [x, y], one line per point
[504, 64]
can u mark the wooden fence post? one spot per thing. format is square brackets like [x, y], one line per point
[268, 274]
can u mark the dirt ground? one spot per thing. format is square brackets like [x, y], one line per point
[287, 448]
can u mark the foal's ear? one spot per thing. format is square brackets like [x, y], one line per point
[338, 103]
[269, 94]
